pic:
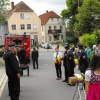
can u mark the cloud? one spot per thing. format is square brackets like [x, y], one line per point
[54, 2]
[40, 6]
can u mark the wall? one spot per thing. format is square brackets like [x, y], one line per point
[34, 19]
[3, 31]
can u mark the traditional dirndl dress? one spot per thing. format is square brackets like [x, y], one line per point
[94, 88]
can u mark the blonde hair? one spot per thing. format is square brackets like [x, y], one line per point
[15, 51]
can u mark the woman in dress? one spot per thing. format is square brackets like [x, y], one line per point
[92, 79]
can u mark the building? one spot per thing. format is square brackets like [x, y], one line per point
[22, 19]
[53, 29]
[3, 31]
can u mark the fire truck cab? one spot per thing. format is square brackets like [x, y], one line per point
[22, 39]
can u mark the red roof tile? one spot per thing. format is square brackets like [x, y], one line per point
[45, 17]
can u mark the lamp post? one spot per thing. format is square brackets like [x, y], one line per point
[96, 19]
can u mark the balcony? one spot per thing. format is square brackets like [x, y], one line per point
[54, 31]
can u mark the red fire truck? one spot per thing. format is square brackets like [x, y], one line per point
[23, 39]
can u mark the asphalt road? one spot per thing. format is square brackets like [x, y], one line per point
[42, 83]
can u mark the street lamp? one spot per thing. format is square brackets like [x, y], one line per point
[96, 19]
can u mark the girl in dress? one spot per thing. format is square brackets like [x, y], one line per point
[92, 79]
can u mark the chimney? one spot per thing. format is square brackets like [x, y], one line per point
[12, 5]
[46, 11]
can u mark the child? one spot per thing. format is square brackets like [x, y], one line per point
[92, 79]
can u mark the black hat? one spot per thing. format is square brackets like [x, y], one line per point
[80, 45]
[11, 44]
[66, 45]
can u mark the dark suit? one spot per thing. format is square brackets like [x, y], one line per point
[70, 63]
[83, 63]
[34, 56]
[12, 69]
[65, 65]
[22, 55]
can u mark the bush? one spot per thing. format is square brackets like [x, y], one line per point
[88, 40]
[61, 44]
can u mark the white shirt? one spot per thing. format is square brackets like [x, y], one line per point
[55, 54]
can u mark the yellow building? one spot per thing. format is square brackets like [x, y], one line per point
[21, 18]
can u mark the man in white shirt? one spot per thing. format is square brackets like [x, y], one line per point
[57, 63]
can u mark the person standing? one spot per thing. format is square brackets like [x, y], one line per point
[22, 54]
[70, 62]
[57, 60]
[13, 72]
[83, 62]
[92, 79]
[35, 56]
[88, 53]
[64, 58]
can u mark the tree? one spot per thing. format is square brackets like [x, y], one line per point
[71, 11]
[85, 20]
[88, 40]
[3, 6]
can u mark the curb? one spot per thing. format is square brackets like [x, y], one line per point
[2, 80]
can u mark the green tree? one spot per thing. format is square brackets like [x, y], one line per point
[85, 20]
[4, 4]
[70, 12]
[88, 40]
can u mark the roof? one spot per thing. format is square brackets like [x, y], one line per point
[46, 16]
[20, 7]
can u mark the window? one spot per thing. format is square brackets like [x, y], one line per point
[28, 26]
[52, 19]
[60, 27]
[13, 27]
[35, 38]
[57, 18]
[35, 26]
[22, 27]
[0, 27]
[62, 37]
[54, 27]
[21, 16]
[49, 38]
[42, 28]
[0, 37]
[49, 27]
[27, 16]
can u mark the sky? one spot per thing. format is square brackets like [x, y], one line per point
[40, 6]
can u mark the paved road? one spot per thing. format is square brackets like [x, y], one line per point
[42, 83]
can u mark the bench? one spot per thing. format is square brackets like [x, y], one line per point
[24, 67]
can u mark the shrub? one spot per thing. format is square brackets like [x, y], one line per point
[88, 40]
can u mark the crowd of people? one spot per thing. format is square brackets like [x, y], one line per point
[88, 65]
[14, 57]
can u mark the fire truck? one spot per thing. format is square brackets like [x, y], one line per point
[23, 39]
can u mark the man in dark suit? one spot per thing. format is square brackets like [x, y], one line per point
[34, 56]
[69, 63]
[13, 72]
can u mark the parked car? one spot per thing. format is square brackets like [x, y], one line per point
[46, 45]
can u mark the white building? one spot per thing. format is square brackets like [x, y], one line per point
[53, 29]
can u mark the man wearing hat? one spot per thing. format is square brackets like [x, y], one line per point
[12, 71]
[69, 63]
[83, 62]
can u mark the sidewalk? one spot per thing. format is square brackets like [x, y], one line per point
[2, 68]
[2, 71]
